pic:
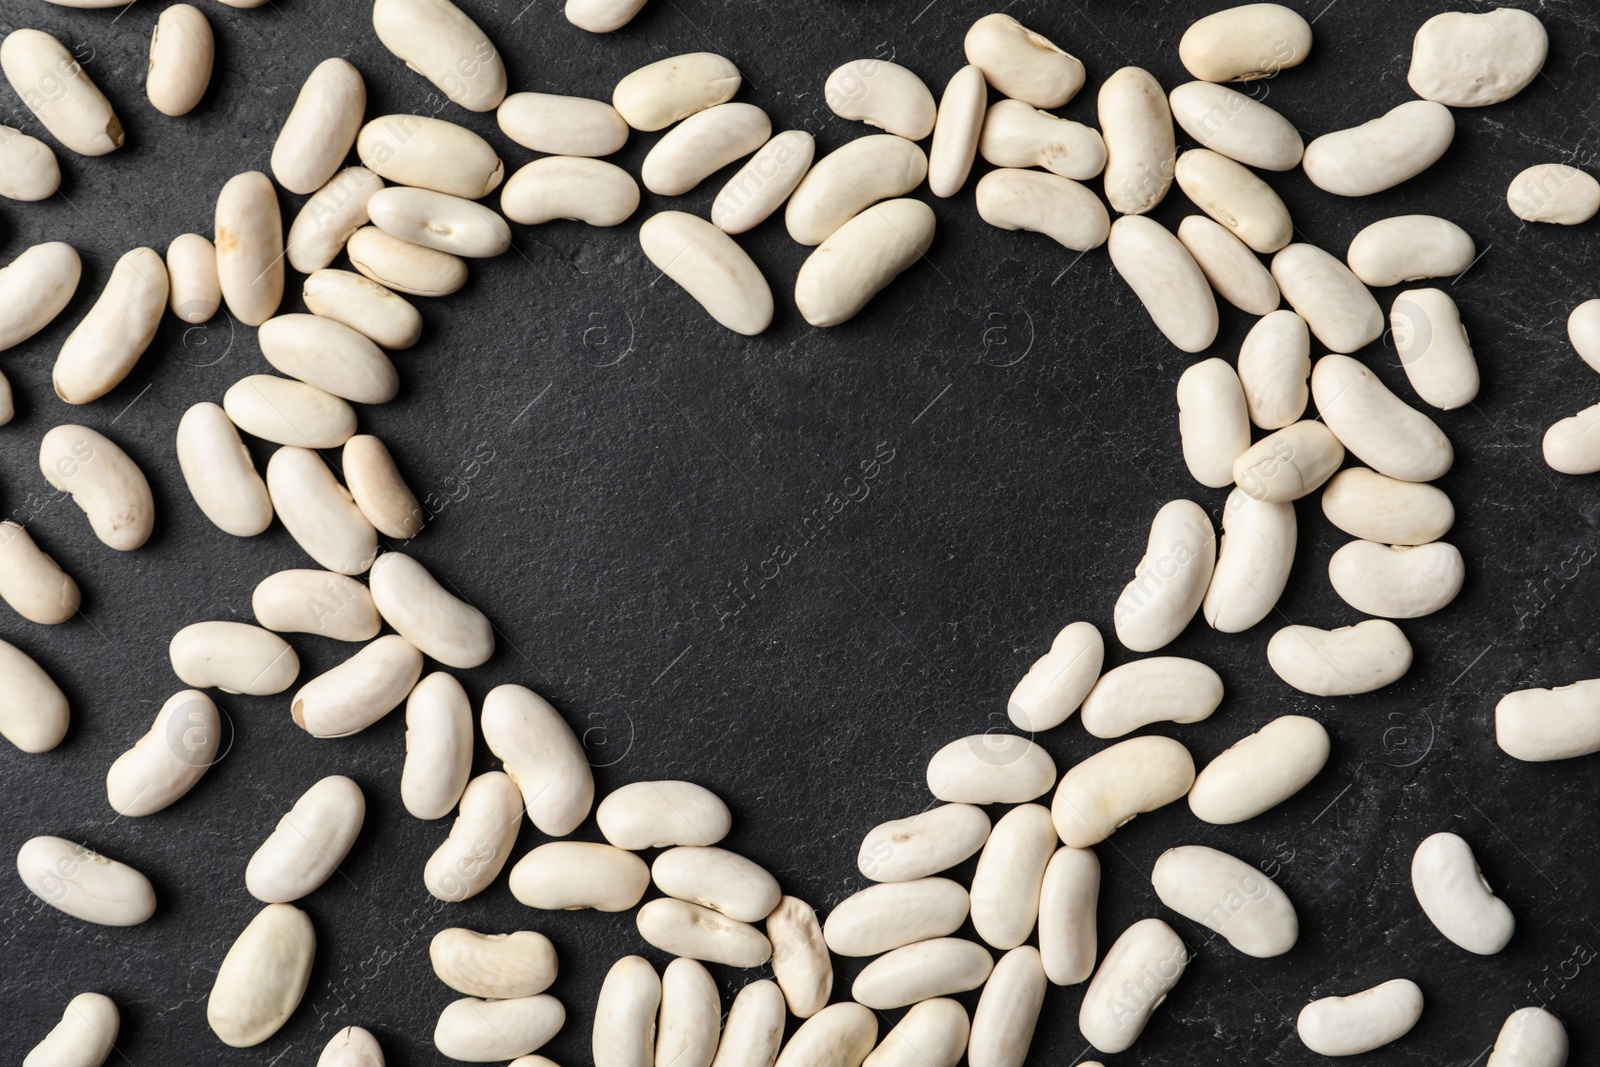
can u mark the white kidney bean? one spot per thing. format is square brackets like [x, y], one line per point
[1531, 1037]
[1381, 153]
[181, 55]
[249, 240]
[330, 218]
[1116, 784]
[1572, 446]
[103, 481]
[220, 474]
[1134, 978]
[1166, 279]
[1456, 897]
[570, 187]
[686, 929]
[85, 1036]
[1059, 680]
[1538, 725]
[86, 885]
[1245, 43]
[263, 976]
[859, 259]
[1336, 306]
[34, 288]
[103, 348]
[1010, 873]
[430, 153]
[1057, 207]
[703, 144]
[318, 512]
[1229, 265]
[50, 83]
[1360, 1022]
[1472, 60]
[363, 305]
[754, 1027]
[1016, 134]
[847, 181]
[234, 657]
[1406, 248]
[1158, 689]
[438, 742]
[1261, 771]
[1554, 192]
[439, 221]
[1022, 64]
[937, 967]
[483, 1031]
[438, 40]
[1433, 348]
[1141, 151]
[956, 131]
[625, 1015]
[711, 268]
[661, 93]
[480, 840]
[351, 1047]
[1343, 662]
[31, 582]
[379, 490]
[289, 412]
[36, 718]
[992, 768]
[1274, 369]
[28, 168]
[718, 879]
[881, 94]
[169, 760]
[309, 842]
[1235, 198]
[1213, 421]
[1254, 558]
[1008, 1010]
[1225, 894]
[1374, 507]
[432, 618]
[892, 915]
[1238, 126]
[567, 875]
[355, 694]
[1289, 464]
[761, 186]
[541, 754]
[934, 840]
[1397, 581]
[691, 1016]
[330, 356]
[316, 602]
[321, 128]
[1583, 329]
[195, 292]
[933, 1033]
[840, 1035]
[1068, 899]
[562, 125]
[1169, 583]
[644, 815]
[1376, 426]
[493, 966]
[602, 16]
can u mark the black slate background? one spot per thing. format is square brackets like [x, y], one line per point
[614, 477]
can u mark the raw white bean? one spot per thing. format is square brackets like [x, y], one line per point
[480, 840]
[330, 356]
[1229, 265]
[1169, 583]
[1343, 662]
[934, 840]
[1227, 895]
[711, 268]
[1381, 153]
[1374, 507]
[860, 258]
[570, 187]
[1261, 771]
[195, 291]
[1336, 306]
[933, 1033]
[1059, 680]
[35, 719]
[1289, 464]
[351, 1047]
[840, 1035]
[881, 94]
[625, 1015]
[1008, 1010]
[235, 657]
[330, 218]
[956, 131]
[483, 1031]
[1166, 279]
[309, 842]
[1254, 557]
[168, 760]
[34, 288]
[263, 976]
[1232, 195]
[430, 153]
[644, 815]
[602, 16]
[562, 125]
[1472, 60]
[31, 582]
[567, 875]
[686, 929]
[1141, 149]
[1116, 784]
[703, 144]
[691, 1016]
[493, 966]
[992, 768]
[1245, 43]
[1538, 725]
[541, 754]
[316, 602]
[438, 745]
[249, 239]
[1236, 125]
[422, 611]
[440, 42]
[85, 1036]
[181, 55]
[220, 474]
[8, 408]
[892, 915]
[754, 1027]
[380, 491]
[318, 512]
[1360, 1022]
[439, 221]
[1397, 581]
[289, 412]
[1057, 207]
[317, 135]
[1158, 689]
[1022, 64]
[1572, 445]
[28, 168]
[937, 967]
[117, 330]
[364, 306]
[847, 181]
[103, 481]
[1018, 135]
[1554, 192]
[403, 266]
[1375, 425]
[717, 879]
[1213, 421]
[355, 694]
[1134, 978]
[659, 94]
[50, 83]
[84, 884]
[1274, 369]
[1456, 897]
[1010, 873]
[1067, 903]
[1405, 248]
[1531, 1037]
[1583, 329]
[1433, 348]
[761, 186]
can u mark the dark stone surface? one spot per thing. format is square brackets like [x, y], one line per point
[614, 475]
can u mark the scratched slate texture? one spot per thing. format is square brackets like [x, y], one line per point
[792, 567]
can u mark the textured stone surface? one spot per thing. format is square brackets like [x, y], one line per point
[674, 532]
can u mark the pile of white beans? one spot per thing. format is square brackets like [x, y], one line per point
[408, 219]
